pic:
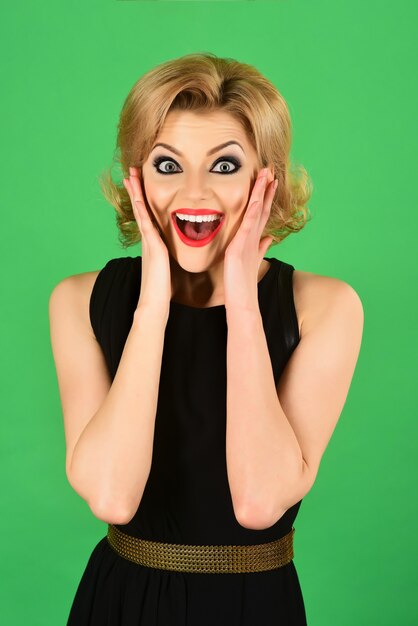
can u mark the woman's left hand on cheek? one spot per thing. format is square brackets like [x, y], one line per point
[246, 251]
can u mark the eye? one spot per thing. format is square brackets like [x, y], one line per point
[229, 160]
[158, 160]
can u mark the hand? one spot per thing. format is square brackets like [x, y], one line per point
[155, 275]
[246, 251]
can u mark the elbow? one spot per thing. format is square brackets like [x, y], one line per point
[256, 518]
[259, 516]
[110, 514]
[105, 510]
[254, 523]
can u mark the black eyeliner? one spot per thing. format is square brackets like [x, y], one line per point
[232, 159]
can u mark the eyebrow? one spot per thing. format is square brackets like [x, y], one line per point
[216, 149]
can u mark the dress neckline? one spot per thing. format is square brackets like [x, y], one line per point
[219, 307]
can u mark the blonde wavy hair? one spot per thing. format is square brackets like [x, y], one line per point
[203, 82]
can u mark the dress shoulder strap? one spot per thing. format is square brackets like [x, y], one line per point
[108, 295]
[287, 306]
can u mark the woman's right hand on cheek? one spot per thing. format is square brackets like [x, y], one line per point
[156, 277]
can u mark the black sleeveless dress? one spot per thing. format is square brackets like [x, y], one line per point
[187, 497]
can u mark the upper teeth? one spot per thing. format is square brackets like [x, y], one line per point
[198, 218]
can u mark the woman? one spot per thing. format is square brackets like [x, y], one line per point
[201, 382]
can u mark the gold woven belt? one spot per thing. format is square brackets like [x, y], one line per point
[203, 559]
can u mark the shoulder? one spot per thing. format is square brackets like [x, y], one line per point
[317, 296]
[73, 294]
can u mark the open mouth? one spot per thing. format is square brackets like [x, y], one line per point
[197, 233]
[197, 230]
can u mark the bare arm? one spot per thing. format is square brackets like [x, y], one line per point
[276, 437]
[109, 454]
[263, 454]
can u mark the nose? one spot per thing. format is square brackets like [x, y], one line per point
[195, 190]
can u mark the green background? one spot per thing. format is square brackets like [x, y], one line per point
[347, 71]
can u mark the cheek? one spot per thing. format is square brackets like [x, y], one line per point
[235, 202]
[156, 199]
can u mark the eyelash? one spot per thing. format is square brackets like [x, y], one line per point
[229, 159]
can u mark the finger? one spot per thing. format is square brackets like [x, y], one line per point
[135, 206]
[265, 210]
[256, 201]
[261, 209]
[135, 184]
[255, 204]
[147, 219]
[268, 200]
[267, 189]
[137, 197]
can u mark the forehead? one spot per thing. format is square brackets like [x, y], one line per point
[214, 125]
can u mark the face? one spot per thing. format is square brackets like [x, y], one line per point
[221, 182]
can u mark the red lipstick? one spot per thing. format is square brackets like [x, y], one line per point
[198, 211]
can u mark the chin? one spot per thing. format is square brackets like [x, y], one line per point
[196, 260]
